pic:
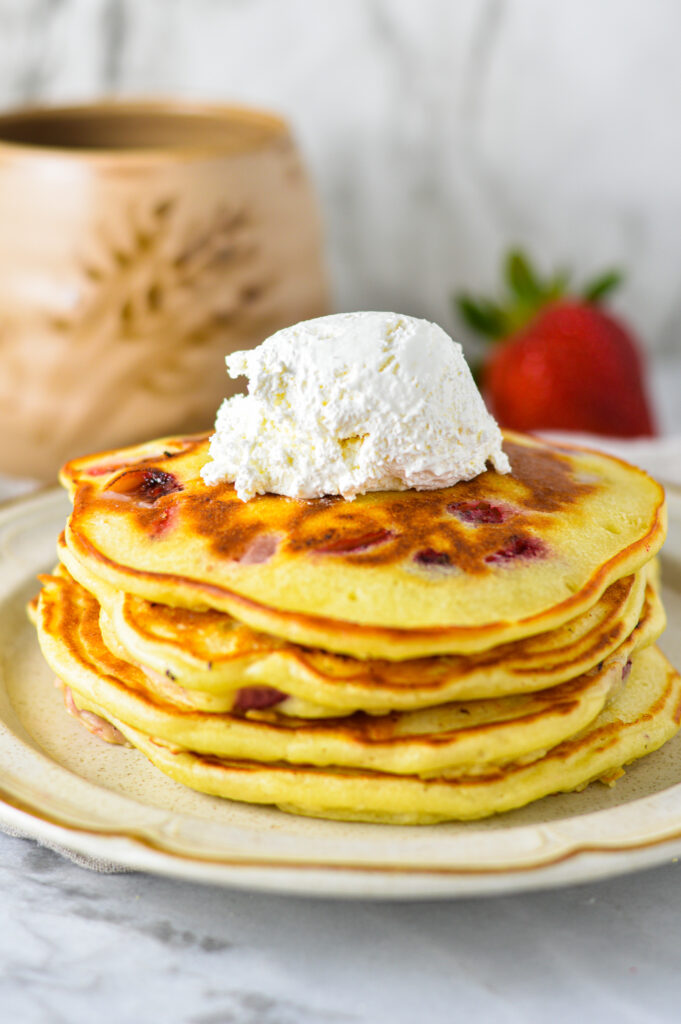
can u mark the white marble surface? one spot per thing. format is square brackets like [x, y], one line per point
[438, 132]
[76, 946]
[120, 949]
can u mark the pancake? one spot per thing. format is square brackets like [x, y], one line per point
[249, 694]
[398, 575]
[406, 657]
[214, 654]
[645, 714]
[471, 735]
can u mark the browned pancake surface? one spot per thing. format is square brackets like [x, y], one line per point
[466, 567]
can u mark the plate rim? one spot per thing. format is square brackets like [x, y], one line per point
[578, 863]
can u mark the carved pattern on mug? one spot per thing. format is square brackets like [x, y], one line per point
[162, 290]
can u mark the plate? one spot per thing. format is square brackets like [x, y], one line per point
[62, 786]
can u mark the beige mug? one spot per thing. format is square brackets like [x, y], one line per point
[139, 244]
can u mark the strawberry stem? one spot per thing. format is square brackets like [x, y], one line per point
[527, 292]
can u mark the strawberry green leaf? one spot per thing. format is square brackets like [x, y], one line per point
[481, 315]
[602, 285]
[521, 277]
[526, 293]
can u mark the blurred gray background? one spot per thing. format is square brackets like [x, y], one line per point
[438, 132]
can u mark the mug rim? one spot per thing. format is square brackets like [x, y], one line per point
[149, 106]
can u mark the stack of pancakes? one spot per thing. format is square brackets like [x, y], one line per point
[407, 657]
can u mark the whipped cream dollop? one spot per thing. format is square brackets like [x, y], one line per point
[350, 403]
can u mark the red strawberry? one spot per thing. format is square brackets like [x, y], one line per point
[561, 363]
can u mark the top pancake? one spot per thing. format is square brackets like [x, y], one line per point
[392, 574]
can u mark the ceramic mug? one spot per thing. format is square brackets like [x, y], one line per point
[139, 244]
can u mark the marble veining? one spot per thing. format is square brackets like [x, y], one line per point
[438, 133]
[132, 947]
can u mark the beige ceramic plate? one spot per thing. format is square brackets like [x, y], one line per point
[62, 786]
